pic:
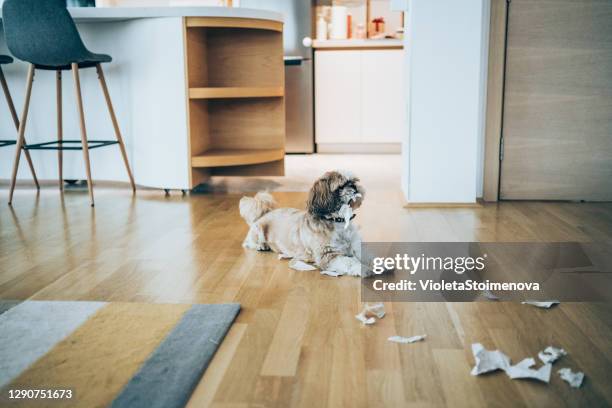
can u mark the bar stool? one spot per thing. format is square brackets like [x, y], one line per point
[43, 33]
[5, 59]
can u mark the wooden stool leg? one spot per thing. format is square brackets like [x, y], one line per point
[77, 87]
[115, 124]
[11, 106]
[60, 130]
[21, 133]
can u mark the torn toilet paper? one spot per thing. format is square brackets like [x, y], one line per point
[490, 295]
[369, 313]
[551, 354]
[547, 304]
[377, 309]
[407, 340]
[574, 379]
[523, 370]
[332, 273]
[300, 265]
[363, 319]
[346, 212]
[487, 361]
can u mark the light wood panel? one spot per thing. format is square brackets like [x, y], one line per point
[235, 92]
[247, 124]
[273, 168]
[230, 157]
[245, 57]
[495, 95]
[234, 23]
[152, 248]
[558, 105]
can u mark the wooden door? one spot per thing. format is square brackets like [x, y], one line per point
[557, 126]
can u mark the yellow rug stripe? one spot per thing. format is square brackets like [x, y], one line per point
[99, 358]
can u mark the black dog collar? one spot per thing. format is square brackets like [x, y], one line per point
[339, 219]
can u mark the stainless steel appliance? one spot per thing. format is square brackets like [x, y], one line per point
[298, 70]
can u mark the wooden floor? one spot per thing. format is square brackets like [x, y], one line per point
[296, 341]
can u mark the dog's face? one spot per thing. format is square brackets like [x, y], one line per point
[331, 191]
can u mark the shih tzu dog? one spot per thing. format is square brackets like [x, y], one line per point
[322, 235]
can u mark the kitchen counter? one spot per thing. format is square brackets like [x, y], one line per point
[198, 91]
[358, 44]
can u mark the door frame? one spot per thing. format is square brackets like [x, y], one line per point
[498, 33]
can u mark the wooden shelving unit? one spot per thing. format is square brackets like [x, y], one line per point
[235, 77]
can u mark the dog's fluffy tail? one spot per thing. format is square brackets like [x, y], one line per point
[253, 208]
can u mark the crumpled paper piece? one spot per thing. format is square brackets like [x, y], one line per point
[551, 354]
[490, 295]
[363, 319]
[346, 212]
[407, 340]
[377, 310]
[487, 361]
[332, 273]
[284, 256]
[547, 304]
[574, 379]
[523, 370]
[300, 265]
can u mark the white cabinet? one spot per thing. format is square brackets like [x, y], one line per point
[337, 96]
[382, 96]
[359, 97]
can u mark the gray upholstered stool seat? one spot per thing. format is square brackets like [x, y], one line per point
[5, 59]
[43, 33]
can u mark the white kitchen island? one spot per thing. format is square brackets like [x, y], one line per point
[197, 91]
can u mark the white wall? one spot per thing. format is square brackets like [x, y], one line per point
[446, 43]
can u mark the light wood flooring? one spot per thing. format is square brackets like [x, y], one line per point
[296, 341]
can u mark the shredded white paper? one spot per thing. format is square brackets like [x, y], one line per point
[377, 309]
[363, 319]
[346, 212]
[407, 340]
[284, 256]
[547, 304]
[487, 361]
[490, 295]
[551, 354]
[523, 370]
[300, 265]
[369, 313]
[574, 379]
[331, 273]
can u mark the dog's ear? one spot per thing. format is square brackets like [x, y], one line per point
[321, 198]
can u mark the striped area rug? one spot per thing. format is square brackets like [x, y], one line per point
[108, 354]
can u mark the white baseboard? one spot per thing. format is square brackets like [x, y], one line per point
[374, 148]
